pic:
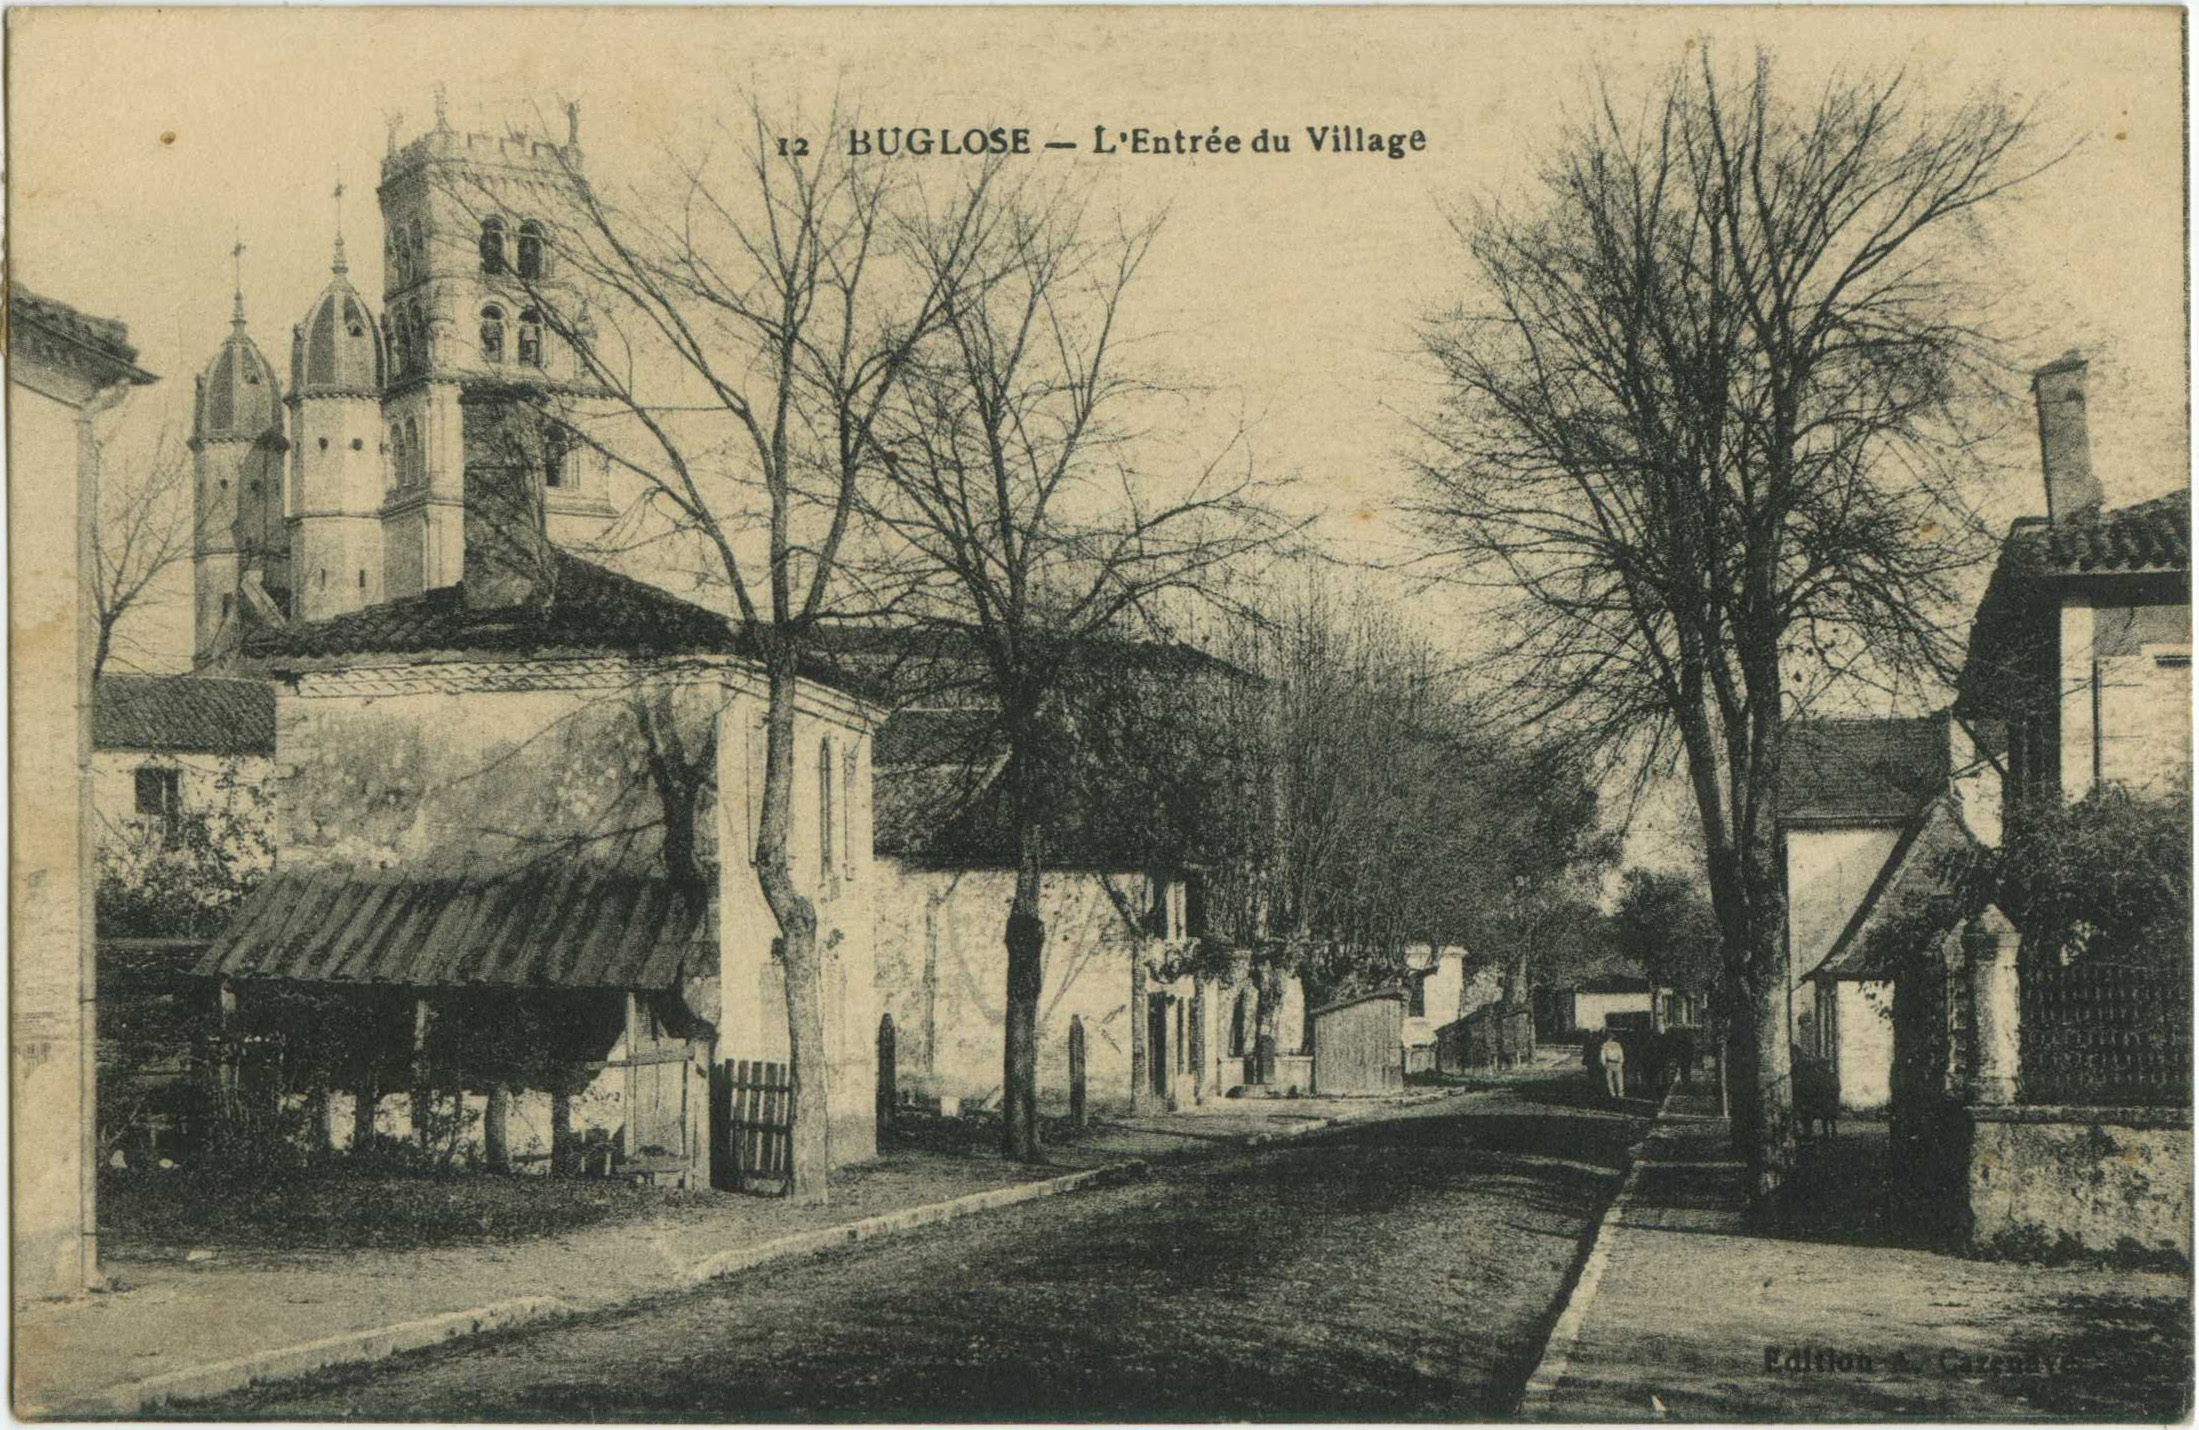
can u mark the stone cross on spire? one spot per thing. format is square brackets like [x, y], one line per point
[340, 266]
[236, 256]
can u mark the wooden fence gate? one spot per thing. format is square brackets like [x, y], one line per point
[752, 1127]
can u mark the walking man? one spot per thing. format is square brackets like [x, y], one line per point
[1614, 1067]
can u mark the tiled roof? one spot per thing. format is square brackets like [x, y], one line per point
[1911, 877]
[571, 927]
[594, 610]
[1863, 771]
[183, 713]
[2148, 542]
[2149, 536]
[108, 338]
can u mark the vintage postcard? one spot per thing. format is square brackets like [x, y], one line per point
[1100, 714]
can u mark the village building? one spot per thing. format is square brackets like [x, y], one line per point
[1868, 811]
[66, 369]
[1113, 928]
[179, 760]
[2045, 1090]
[1612, 998]
[181, 767]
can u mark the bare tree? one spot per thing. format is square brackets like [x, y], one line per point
[140, 529]
[1391, 817]
[736, 338]
[1715, 417]
[1039, 520]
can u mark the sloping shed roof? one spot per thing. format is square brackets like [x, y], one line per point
[2144, 536]
[183, 713]
[1394, 995]
[1909, 879]
[572, 927]
[1866, 771]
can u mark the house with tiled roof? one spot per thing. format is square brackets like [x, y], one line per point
[531, 798]
[1852, 795]
[181, 766]
[2082, 643]
[1122, 911]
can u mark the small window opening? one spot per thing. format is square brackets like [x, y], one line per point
[492, 245]
[530, 249]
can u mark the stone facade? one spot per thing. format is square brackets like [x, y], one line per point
[453, 770]
[64, 369]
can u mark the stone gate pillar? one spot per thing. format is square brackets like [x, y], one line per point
[1996, 1052]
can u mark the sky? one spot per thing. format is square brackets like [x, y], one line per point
[144, 143]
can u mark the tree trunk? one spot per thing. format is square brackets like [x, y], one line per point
[801, 961]
[1019, 1129]
[1770, 1098]
[1026, 938]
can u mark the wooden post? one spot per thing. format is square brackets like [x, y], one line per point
[562, 1161]
[320, 1133]
[1077, 1116]
[496, 1129]
[422, 1099]
[363, 1102]
[889, 1074]
[226, 1069]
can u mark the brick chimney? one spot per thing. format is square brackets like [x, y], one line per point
[508, 557]
[2065, 443]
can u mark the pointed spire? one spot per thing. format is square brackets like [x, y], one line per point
[340, 266]
[442, 107]
[236, 256]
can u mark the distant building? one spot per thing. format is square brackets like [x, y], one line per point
[1611, 999]
[65, 368]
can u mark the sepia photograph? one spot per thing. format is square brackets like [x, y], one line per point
[1099, 714]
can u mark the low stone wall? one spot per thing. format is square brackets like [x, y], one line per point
[2043, 1180]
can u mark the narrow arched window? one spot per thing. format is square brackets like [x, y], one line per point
[530, 249]
[393, 258]
[419, 330]
[400, 343]
[416, 457]
[394, 476]
[825, 833]
[492, 334]
[492, 244]
[416, 239]
[530, 338]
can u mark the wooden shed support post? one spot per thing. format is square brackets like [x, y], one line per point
[363, 1104]
[1077, 1115]
[562, 1161]
[422, 1099]
[496, 1144]
[225, 1067]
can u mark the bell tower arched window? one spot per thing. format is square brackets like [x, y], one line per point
[492, 334]
[530, 338]
[416, 236]
[400, 343]
[395, 476]
[492, 244]
[530, 249]
[416, 458]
